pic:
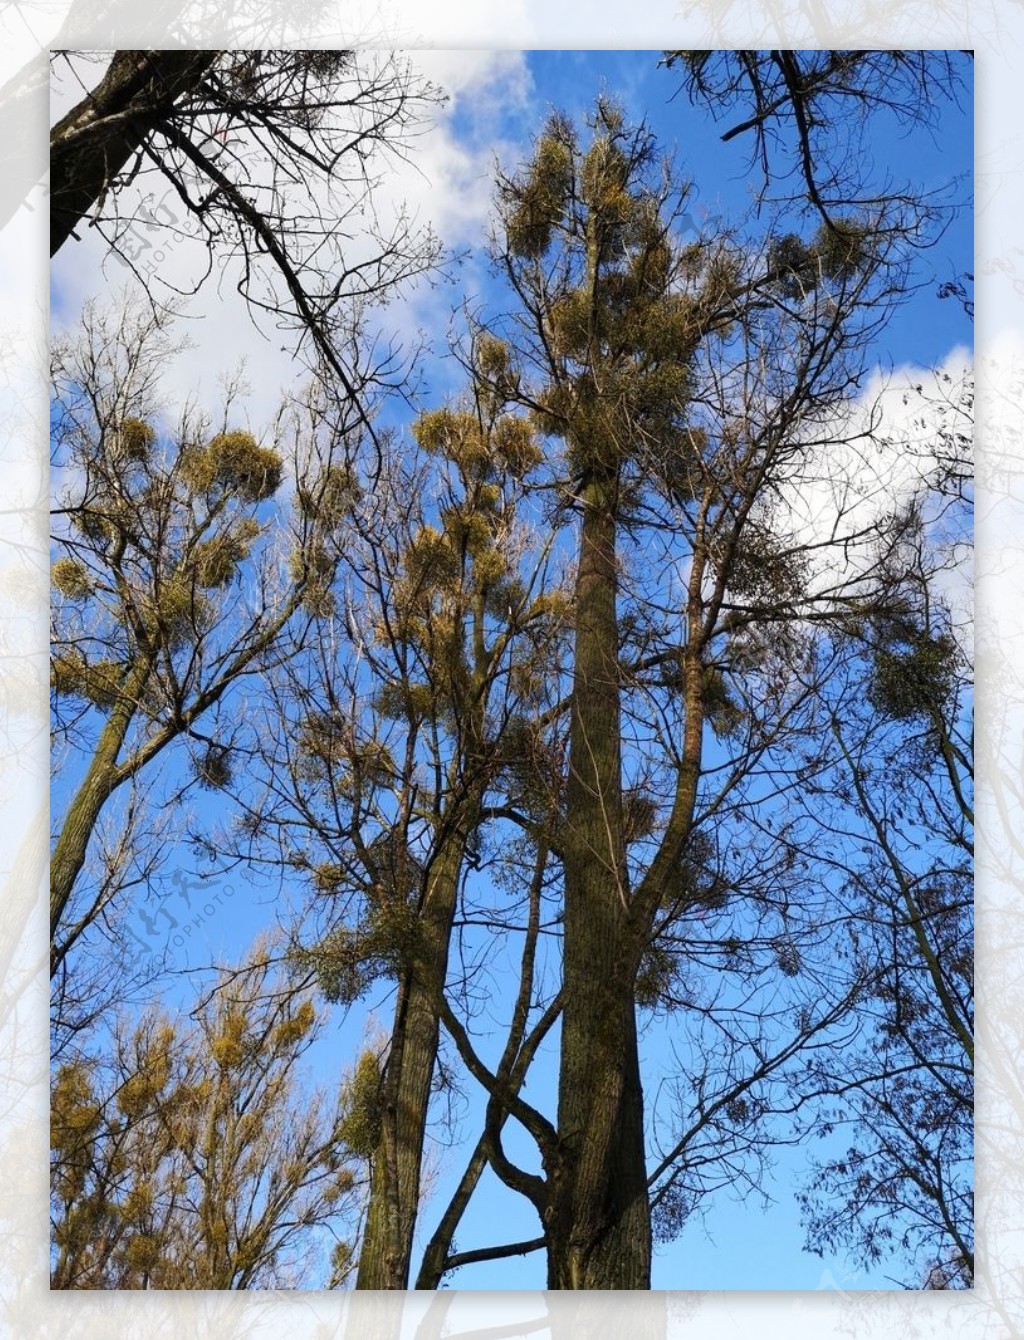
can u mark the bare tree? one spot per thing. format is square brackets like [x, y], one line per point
[805, 113]
[272, 158]
[894, 808]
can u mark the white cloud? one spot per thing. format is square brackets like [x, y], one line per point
[871, 464]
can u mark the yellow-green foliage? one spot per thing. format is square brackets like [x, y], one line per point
[143, 1251]
[690, 260]
[435, 430]
[844, 248]
[73, 1106]
[489, 567]
[325, 739]
[721, 276]
[71, 578]
[494, 364]
[553, 605]
[313, 565]
[328, 877]
[599, 432]
[179, 612]
[229, 1047]
[75, 1120]
[505, 597]
[488, 496]
[332, 497]
[135, 438]
[571, 320]
[344, 1182]
[292, 1030]
[430, 562]
[337, 964]
[235, 462]
[515, 445]
[373, 763]
[99, 682]
[139, 1090]
[837, 251]
[102, 519]
[343, 1262]
[666, 331]
[554, 408]
[604, 183]
[455, 435]
[525, 678]
[359, 1127]
[216, 561]
[349, 958]
[138, 1203]
[402, 698]
[537, 202]
[466, 529]
[650, 265]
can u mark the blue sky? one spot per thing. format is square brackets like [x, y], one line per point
[498, 106]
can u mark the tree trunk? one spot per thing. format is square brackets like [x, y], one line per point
[93, 142]
[100, 782]
[385, 1258]
[599, 1221]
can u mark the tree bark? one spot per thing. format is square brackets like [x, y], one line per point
[385, 1258]
[599, 1219]
[90, 146]
[100, 782]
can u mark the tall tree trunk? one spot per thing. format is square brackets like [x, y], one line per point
[93, 142]
[100, 782]
[599, 1222]
[384, 1262]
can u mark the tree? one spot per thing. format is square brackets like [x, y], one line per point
[386, 747]
[687, 385]
[192, 1156]
[794, 106]
[265, 153]
[567, 668]
[895, 812]
[176, 579]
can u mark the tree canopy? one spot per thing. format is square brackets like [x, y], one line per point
[598, 732]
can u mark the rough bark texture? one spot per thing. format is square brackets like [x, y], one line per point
[599, 1225]
[94, 141]
[384, 1262]
[84, 811]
